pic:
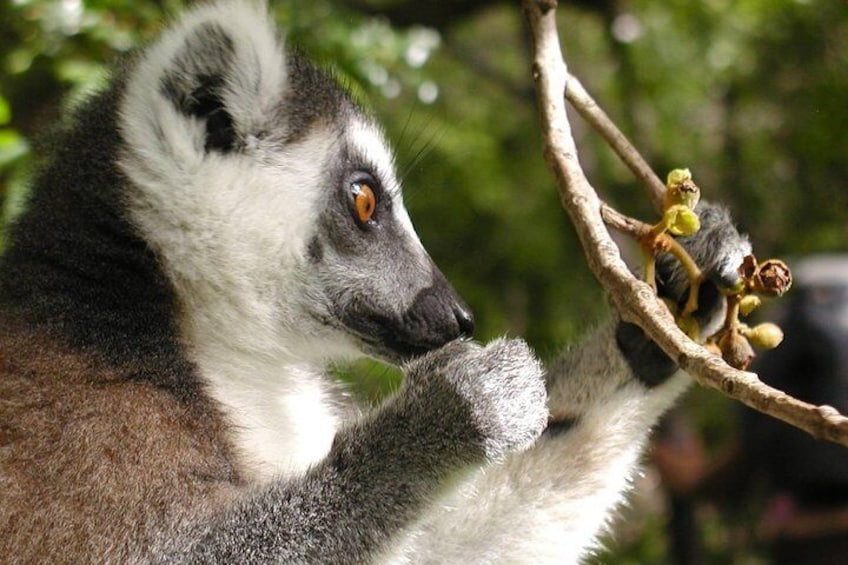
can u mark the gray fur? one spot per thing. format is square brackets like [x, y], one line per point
[506, 374]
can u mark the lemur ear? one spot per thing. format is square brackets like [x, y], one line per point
[196, 82]
[210, 81]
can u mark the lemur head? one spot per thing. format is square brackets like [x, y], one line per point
[272, 199]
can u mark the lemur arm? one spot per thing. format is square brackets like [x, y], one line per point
[333, 510]
[550, 503]
[383, 469]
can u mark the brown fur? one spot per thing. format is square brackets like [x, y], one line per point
[94, 467]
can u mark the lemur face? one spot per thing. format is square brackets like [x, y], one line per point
[272, 201]
[381, 285]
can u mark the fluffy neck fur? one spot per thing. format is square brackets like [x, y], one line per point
[76, 266]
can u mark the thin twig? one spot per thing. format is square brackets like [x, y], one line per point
[596, 117]
[637, 229]
[635, 299]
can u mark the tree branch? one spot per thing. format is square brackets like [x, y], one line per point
[590, 111]
[634, 299]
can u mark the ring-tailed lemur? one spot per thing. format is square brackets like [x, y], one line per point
[213, 228]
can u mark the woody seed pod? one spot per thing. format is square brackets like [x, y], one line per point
[772, 278]
[736, 350]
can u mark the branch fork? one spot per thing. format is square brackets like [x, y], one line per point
[635, 299]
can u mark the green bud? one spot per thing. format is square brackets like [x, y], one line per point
[740, 285]
[680, 220]
[749, 303]
[765, 335]
[681, 189]
[677, 176]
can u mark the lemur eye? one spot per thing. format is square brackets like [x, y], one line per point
[364, 201]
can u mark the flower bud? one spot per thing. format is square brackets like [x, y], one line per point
[681, 190]
[765, 335]
[677, 176]
[735, 350]
[749, 303]
[680, 220]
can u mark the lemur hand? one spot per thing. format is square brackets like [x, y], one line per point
[718, 249]
[500, 385]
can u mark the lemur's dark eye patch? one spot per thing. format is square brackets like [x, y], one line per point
[364, 201]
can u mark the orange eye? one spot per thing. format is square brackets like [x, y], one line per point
[364, 201]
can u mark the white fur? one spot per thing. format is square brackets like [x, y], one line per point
[282, 415]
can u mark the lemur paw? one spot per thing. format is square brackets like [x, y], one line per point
[501, 384]
[718, 249]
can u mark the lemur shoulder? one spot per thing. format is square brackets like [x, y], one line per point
[215, 227]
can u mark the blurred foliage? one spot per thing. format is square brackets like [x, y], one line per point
[749, 94]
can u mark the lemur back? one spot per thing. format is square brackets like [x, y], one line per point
[212, 229]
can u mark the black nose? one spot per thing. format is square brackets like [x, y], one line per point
[465, 320]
